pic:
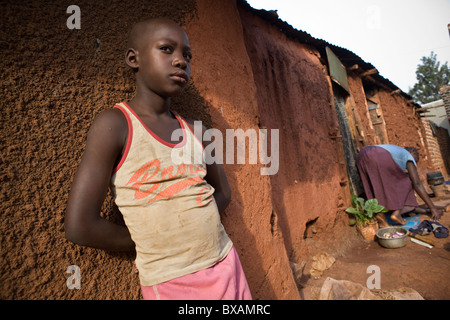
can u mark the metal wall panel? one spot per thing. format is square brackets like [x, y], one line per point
[338, 72]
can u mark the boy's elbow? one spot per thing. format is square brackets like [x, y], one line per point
[74, 233]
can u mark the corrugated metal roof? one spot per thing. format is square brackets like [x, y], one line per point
[347, 57]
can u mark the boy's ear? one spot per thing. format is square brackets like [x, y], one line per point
[131, 58]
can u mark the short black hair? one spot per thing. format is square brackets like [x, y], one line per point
[141, 27]
[413, 152]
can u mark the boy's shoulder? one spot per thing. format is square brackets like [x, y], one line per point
[110, 124]
[111, 116]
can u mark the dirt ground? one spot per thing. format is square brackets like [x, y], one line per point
[413, 266]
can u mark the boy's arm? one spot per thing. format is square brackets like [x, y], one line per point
[83, 223]
[215, 176]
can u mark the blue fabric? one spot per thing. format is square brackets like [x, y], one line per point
[411, 222]
[400, 155]
[426, 227]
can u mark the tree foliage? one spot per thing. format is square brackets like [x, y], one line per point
[431, 76]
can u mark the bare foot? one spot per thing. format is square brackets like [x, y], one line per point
[382, 220]
[398, 219]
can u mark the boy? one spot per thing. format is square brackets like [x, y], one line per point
[171, 209]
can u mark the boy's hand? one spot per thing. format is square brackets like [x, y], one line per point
[436, 214]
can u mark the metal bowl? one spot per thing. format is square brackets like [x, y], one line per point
[392, 243]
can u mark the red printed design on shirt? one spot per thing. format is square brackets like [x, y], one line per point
[147, 180]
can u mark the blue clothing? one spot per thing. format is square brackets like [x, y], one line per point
[400, 155]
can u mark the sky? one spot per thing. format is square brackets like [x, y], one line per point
[392, 35]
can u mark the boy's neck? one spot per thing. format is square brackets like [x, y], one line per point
[150, 104]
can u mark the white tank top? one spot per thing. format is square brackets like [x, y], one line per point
[167, 204]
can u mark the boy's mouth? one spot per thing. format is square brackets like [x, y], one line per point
[180, 76]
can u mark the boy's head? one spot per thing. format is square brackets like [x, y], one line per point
[414, 153]
[159, 53]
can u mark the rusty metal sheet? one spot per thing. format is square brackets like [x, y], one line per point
[338, 73]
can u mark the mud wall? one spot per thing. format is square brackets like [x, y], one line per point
[246, 74]
[293, 95]
[401, 122]
[222, 73]
[404, 128]
[55, 81]
[403, 125]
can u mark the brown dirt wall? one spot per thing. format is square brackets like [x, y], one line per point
[402, 124]
[55, 81]
[404, 128]
[223, 75]
[293, 95]
[245, 74]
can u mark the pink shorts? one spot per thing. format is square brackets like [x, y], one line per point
[223, 281]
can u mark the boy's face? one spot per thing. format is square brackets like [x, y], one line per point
[163, 59]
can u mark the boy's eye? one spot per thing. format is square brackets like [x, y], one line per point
[187, 55]
[166, 48]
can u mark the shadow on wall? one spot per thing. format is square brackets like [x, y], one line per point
[294, 96]
[191, 104]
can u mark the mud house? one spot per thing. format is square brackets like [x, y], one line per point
[250, 71]
[435, 118]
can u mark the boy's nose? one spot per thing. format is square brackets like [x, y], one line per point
[179, 62]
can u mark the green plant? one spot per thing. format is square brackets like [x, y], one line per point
[364, 211]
